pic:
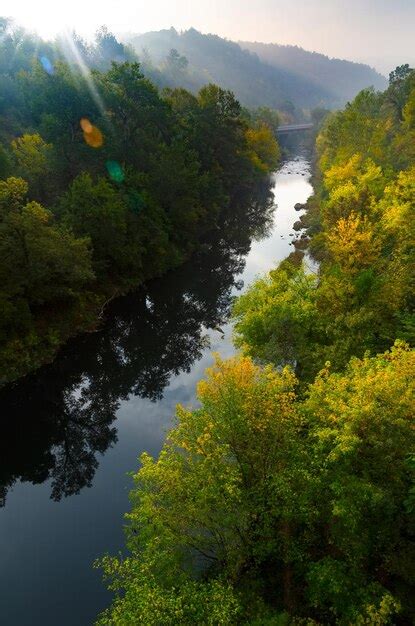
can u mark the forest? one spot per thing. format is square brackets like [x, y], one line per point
[283, 493]
[281, 77]
[105, 182]
[340, 78]
[287, 495]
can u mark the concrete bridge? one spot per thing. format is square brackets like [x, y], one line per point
[292, 128]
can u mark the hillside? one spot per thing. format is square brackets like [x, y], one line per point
[344, 79]
[213, 59]
[304, 78]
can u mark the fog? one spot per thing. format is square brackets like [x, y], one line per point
[378, 32]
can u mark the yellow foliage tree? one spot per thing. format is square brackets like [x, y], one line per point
[263, 148]
[353, 244]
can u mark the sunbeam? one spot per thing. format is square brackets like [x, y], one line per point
[68, 39]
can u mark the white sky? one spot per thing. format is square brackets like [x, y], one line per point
[381, 32]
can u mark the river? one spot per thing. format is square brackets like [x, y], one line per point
[70, 434]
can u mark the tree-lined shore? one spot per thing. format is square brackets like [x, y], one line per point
[104, 183]
[288, 496]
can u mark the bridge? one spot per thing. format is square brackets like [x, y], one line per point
[292, 128]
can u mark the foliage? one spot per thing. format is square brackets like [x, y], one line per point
[128, 174]
[232, 507]
[33, 156]
[281, 77]
[277, 319]
[363, 428]
[362, 231]
[42, 267]
[294, 492]
[262, 143]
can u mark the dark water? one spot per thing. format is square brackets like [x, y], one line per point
[70, 434]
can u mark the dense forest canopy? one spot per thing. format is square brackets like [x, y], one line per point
[146, 338]
[342, 79]
[361, 223]
[104, 182]
[258, 74]
[288, 496]
[229, 525]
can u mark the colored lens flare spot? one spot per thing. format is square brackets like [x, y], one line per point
[47, 65]
[115, 171]
[92, 135]
[86, 125]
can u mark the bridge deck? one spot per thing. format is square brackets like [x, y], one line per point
[291, 128]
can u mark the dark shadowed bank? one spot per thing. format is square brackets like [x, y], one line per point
[104, 184]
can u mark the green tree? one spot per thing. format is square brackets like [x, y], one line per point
[5, 164]
[176, 64]
[232, 509]
[43, 267]
[33, 157]
[277, 320]
[400, 82]
[108, 48]
[39, 259]
[362, 432]
[97, 210]
[263, 148]
[205, 505]
[136, 119]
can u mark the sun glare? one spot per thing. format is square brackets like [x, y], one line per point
[48, 18]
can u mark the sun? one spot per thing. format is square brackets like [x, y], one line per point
[50, 17]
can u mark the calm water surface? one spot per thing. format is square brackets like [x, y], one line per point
[70, 434]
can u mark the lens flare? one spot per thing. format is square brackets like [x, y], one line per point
[115, 171]
[47, 65]
[92, 135]
[86, 125]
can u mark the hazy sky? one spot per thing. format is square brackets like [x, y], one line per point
[381, 32]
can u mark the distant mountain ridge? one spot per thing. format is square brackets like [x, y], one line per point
[288, 74]
[341, 77]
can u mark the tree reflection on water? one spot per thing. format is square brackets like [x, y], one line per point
[56, 421]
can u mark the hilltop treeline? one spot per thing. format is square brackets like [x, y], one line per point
[282, 77]
[104, 182]
[340, 78]
[288, 497]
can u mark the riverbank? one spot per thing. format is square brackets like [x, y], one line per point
[51, 327]
[73, 431]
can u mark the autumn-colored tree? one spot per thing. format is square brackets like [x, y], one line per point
[42, 266]
[362, 431]
[33, 157]
[231, 517]
[363, 235]
[263, 148]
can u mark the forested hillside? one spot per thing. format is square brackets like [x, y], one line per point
[342, 79]
[361, 223]
[257, 76]
[288, 496]
[104, 183]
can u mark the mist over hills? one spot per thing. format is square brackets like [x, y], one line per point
[259, 74]
[340, 77]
